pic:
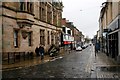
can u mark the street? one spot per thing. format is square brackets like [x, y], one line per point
[77, 64]
[71, 66]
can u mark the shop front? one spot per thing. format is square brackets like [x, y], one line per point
[113, 45]
[68, 41]
[114, 39]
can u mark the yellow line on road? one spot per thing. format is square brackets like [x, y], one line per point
[89, 64]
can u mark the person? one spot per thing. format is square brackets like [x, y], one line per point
[97, 47]
[41, 51]
[37, 51]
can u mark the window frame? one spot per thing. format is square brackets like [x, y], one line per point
[16, 39]
[42, 37]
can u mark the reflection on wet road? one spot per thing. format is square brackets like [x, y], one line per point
[70, 66]
[78, 64]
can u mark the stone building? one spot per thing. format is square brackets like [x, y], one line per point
[110, 28]
[25, 25]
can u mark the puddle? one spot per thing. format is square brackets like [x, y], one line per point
[109, 69]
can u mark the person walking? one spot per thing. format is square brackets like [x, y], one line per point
[37, 51]
[97, 47]
[41, 51]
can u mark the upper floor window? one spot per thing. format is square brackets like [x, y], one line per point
[22, 6]
[69, 32]
[42, 11]
[64, 30]
[26, 6]
[29, 7]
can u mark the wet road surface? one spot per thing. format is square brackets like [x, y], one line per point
[72, 65]
[78, 64]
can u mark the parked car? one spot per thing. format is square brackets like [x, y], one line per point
[78, 48]
[83, 47]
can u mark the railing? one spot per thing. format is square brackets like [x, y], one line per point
[14, 57]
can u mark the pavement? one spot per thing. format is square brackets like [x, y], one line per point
[32, 62]
[104, 66]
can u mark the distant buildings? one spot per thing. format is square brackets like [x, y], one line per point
[72, 37]
[109, 26]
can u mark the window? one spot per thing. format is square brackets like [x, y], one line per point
[52, 38]
[49, 14]
[69, 32]
[29, 38]
[42, 37]
[29, 6]
[43, 14]
[48, 38]
[54, 17]
[22, 6]
[56, 39]
[15, 38]
[64, 30]
[42, 11]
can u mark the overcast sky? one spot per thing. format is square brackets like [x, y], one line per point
[84, 14]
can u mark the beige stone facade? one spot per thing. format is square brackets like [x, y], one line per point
[110, 28]
[25, 25]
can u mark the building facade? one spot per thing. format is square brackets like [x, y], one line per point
[77, 37]
[26, 25]
[72, 36]
[110, 28]
[67, 38]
